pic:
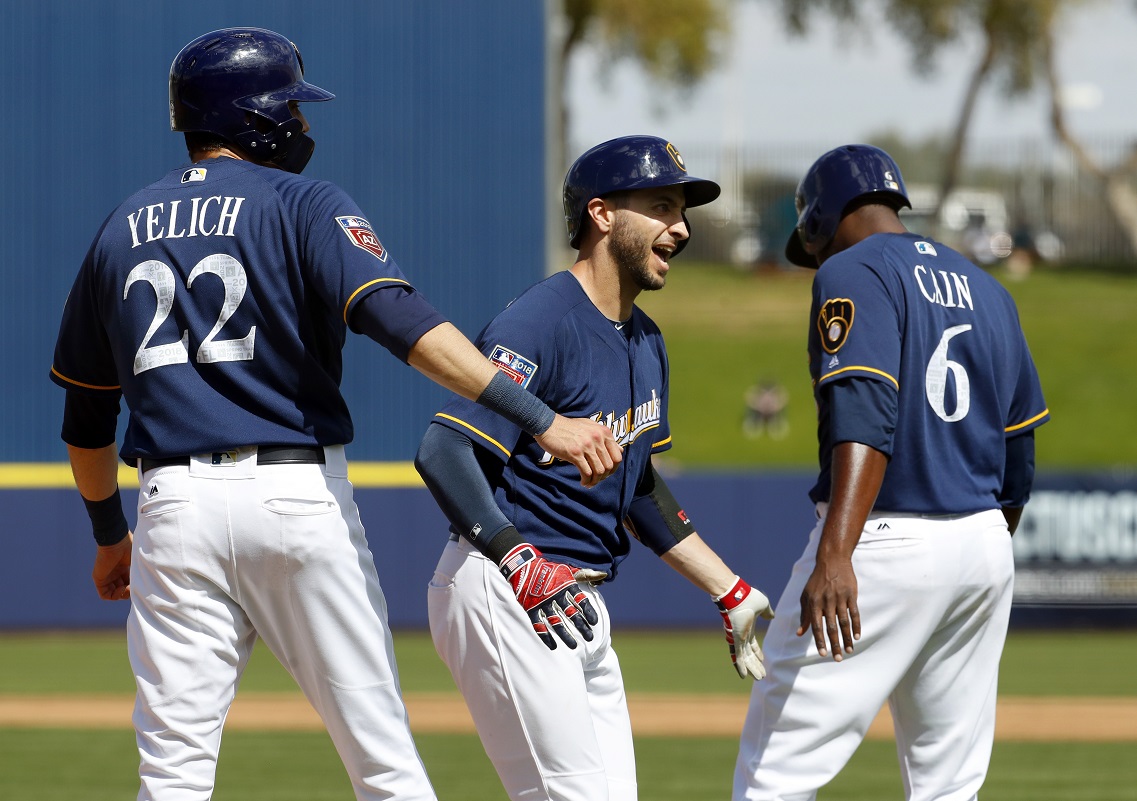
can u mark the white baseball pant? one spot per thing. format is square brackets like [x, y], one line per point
[554, 723]
[934, 596]
[224, 553]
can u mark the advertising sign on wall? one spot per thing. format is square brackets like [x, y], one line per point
[1077, 543]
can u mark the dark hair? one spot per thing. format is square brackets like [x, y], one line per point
[205, 140]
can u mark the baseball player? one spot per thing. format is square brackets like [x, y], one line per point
[515, 607]
[927, 403]
[216, 302]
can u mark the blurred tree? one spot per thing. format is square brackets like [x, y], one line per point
[1017, 44]
[675, 42]
[1117, 179]
[1010, 32]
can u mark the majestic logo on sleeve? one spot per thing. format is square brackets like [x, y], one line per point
[517, 367]
[834, 322]
[362, 235]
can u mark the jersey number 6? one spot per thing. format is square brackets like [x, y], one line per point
[935, 381]
[162, 281]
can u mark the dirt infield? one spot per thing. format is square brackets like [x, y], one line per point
[1018, 718]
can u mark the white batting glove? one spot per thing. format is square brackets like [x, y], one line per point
[739, 607]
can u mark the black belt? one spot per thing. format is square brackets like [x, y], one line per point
[266, 454]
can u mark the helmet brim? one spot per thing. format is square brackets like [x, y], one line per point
[795, 252]
[700, 191]
[302, 91]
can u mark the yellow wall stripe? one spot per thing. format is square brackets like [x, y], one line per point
[30, 475]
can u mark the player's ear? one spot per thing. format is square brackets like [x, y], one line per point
[601, 211]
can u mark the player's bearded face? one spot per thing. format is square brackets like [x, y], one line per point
[632, 245]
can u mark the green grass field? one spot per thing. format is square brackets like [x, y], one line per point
[727, 329]
[50, 764]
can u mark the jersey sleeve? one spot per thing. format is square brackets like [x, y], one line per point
[84, 359]
[855, 329]
[345, 257]
[518, 344]
[1028, 407]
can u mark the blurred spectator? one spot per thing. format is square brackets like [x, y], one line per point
[766, 404]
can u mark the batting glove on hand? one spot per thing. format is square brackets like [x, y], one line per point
[549, 593]
[739, 608]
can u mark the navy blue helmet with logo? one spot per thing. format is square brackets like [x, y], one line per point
[238, 83]
[834, 181]
[624, 164]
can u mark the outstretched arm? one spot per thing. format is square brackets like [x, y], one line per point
[445, 356]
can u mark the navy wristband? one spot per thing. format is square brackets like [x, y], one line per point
[524, 409]
[108, 523]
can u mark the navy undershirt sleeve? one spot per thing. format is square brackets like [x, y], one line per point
[395, 317]
[1018, 473]
[449, 466]
[655, 517]
[862, 410]
[89, 421]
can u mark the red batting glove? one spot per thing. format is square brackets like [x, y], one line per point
[549, 593]
[739, 608]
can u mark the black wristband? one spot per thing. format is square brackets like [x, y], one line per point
[108, 523]
[524, 409]
[502, 543]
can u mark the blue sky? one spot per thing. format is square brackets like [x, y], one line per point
[835, 87]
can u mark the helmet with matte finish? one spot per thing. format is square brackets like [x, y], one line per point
[624, 164]
[833, 182]
[237, 83]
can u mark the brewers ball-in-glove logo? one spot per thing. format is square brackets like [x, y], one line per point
[678, 159]
[833, 323]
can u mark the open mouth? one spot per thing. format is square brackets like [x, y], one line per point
[663, 252]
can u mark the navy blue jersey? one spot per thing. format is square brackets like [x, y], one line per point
[919, 317]
[216, 301]
[554, 342]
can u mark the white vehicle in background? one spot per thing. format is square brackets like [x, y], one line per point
[973, 221]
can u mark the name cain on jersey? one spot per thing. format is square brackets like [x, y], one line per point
[940, 290]
[203, 216]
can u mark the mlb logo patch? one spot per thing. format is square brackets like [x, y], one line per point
[362, 235]
[517, 367]
[926, 248]
[194, 175]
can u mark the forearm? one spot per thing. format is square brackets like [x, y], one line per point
[95, 471]
[693, 559]
[449, 467]
[445, 356]
[858, 472]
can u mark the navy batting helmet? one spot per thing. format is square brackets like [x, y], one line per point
[833, 182]
[624, 164]
[237, 83]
